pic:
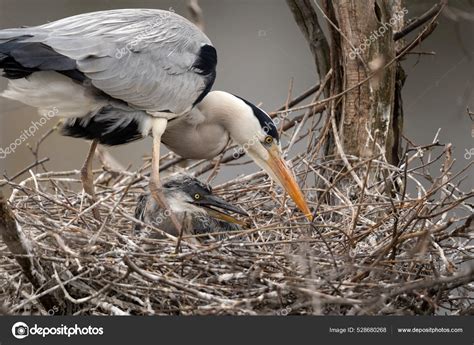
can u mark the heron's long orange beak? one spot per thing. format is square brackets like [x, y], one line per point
[287, 180]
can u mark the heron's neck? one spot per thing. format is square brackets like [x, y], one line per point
[230, 112]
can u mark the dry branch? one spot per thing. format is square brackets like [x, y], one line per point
[307, 19]
[195, 11]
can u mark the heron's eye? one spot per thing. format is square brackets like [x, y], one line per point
[197, 196]
[268, 139]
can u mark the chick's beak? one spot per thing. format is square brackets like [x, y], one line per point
[215, 206]
[285, 177]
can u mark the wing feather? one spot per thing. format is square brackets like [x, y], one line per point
[141, 56]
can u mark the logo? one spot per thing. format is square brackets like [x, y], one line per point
[20, 330]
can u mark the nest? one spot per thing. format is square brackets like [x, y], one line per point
[401, 245]
[385, 239]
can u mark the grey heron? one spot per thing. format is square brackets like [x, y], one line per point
[121, 75]
[189, 199]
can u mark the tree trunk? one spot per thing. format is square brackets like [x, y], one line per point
[362, 47]
[361, 44]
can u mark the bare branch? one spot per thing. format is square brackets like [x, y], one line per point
[195, 11]
[307, 19]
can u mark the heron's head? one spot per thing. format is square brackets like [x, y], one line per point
[256, 133]
[189, 194]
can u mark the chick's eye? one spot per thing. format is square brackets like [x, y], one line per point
[268, 139]
[197, 196]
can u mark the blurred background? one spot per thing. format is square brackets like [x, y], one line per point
[260, 50]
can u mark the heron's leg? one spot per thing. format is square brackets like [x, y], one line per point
[159, 126]
[87, 177]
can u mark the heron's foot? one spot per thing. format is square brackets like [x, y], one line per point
[87, 179]
[158, 195]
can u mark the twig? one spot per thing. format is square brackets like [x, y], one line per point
[419, 21]
[196, 13]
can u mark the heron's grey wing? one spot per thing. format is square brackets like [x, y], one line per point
[151, 59]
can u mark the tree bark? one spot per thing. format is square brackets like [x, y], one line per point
[362, 45]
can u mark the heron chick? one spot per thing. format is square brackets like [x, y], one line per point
[194, 205]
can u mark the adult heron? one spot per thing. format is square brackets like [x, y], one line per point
[190, 200]
[121, 75]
